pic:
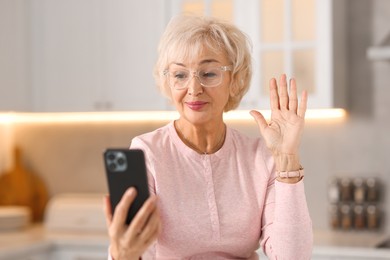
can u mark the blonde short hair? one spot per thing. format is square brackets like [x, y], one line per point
[186, 36]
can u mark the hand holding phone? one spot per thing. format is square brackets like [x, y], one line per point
[131, 241]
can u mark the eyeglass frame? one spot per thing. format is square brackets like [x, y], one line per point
[195, 73]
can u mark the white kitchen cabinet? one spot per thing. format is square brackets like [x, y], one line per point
[93, 55]
[14, 89]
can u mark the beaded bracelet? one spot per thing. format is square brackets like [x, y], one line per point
[292, 174]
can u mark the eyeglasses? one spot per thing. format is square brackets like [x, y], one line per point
[208, 76]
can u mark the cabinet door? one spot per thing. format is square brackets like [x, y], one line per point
[95, 54]
[129, 51]
[14, 87]
[66, 59]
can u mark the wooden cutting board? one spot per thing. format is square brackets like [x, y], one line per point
[22, 187]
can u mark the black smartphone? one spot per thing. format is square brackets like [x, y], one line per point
[126, 168]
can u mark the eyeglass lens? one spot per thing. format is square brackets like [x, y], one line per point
[208, 77]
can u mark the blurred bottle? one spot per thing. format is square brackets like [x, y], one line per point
[359, 217]
[345, 189]
[334, 214]
[372, 190]
[346, 216]
[359, 190]
[372, 217]
[334, 191]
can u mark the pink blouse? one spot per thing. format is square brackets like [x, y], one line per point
[223, 205]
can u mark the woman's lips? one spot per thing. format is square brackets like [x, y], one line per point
[196, 105]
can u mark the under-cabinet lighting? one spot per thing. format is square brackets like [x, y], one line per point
[148, 116]
[335, 113]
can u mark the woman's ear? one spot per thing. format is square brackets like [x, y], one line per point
[233, 89]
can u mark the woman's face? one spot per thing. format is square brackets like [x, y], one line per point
[195, 103]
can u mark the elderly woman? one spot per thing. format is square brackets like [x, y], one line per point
[216, 194]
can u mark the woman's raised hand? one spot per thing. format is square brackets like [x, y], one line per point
[283, 133]
[131, 241]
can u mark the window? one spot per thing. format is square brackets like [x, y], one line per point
[288, 36]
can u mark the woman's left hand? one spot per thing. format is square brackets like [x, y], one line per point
[283, 133]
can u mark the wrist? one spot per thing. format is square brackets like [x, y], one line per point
[116, 255]
[113, 252]
[289, 180]
[290, 177]
[287, 162]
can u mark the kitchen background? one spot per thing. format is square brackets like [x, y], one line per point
[68, 155]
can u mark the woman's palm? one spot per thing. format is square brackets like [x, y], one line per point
[283, 133]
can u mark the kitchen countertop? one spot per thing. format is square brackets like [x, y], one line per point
[350, 245]
[36, 239]
[363, 239]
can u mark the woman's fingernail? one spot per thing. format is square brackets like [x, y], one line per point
[130, 191]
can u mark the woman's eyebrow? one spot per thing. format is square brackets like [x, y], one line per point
[208, 61]
[200, 63]
[179, 64]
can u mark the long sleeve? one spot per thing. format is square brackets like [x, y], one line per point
[286, 228]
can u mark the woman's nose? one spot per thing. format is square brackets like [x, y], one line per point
[194, 87]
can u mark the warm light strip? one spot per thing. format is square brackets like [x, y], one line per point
[335, 113]
[75, 117]
[15, 117]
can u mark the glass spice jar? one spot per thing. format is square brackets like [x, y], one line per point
[359, 190]
[334, 190]
[372, 190]
[346, 216]
[359, 217]
[334, 214]
[345, 189]
[372, 217]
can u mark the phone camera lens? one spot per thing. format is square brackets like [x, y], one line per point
[120, 161]
[112, 166]
[111, 156]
